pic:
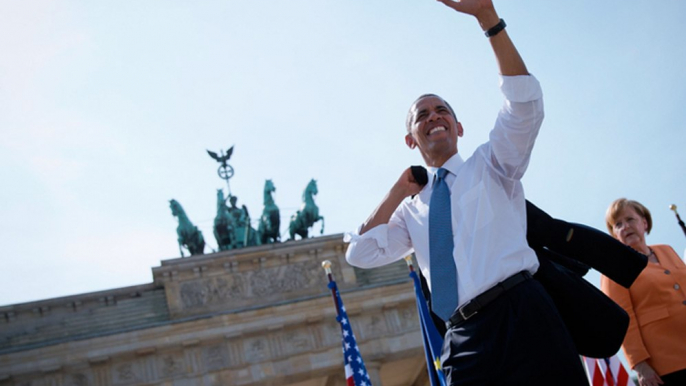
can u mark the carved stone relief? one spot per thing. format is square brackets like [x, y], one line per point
[126, 373]
[252, 284]
[331, 333]
[408, 318]
[376, 325]
[199, 293]
[215, 357]
[170, 364]
[260, 282]
[78, 379]
[295, 342]
[256, 349]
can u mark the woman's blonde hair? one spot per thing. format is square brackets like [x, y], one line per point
[618, 206]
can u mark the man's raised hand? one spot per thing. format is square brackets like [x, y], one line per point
[470, 7]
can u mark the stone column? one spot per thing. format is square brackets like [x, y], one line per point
[374, 371]
[337, 379]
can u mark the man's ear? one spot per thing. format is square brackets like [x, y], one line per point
[460, 130]
[409, 141]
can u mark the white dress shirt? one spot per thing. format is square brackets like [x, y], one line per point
[487, 202]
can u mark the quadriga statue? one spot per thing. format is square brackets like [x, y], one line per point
[223, 223]
[189, 235]
[270, 221]
[308, 214]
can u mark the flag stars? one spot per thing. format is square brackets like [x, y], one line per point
[354, 364]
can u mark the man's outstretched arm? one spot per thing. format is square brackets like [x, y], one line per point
[506, 54]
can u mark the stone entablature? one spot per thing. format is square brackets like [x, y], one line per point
[251, 277]
[247, 337]
[52, 321]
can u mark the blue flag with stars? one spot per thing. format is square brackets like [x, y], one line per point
[355, 371]
[433, 341]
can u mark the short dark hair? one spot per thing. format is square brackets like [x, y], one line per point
[408, 120]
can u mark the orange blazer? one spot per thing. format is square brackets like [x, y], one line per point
[656, 304]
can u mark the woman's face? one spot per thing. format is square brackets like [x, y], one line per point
[630, 228]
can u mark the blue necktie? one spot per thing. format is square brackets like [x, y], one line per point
[442, 266]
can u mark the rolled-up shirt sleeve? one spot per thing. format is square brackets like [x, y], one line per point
[380, 245]
[518, 124]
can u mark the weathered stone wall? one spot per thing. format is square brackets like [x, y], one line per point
[256, 316]
[36, 324]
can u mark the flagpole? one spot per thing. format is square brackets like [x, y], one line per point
[408, 261]
[433, 341]
[326, 264]
[681, 222]
[355, 370]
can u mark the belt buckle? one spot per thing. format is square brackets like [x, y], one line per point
[462, 313]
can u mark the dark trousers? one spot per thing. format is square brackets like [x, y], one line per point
[677, 378]
[518, 339]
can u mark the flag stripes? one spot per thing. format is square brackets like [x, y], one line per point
[355, 370]
[607, 372]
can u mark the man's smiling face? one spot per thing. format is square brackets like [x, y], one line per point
[433, 128]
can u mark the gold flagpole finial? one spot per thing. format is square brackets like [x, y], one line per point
[678, 219]
[408, 260]
[326, 264]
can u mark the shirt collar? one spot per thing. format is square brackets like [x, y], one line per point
[452, 164]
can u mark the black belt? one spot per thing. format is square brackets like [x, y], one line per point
[473, 306]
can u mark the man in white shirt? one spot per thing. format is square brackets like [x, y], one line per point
[503, 327]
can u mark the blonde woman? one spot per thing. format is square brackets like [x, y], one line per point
[655, 343]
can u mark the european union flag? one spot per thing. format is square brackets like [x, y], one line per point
[433, 341]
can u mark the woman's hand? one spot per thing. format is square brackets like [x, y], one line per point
[646, 375]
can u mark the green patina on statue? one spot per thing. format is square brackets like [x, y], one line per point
[308, 214]
[243, 234]
[189, 235]
[223, 227]
[225, 170]
[232, 225]
[270, 221]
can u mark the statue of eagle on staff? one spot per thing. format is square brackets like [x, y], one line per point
[225, 170]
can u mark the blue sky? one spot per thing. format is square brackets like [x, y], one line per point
[107, 108]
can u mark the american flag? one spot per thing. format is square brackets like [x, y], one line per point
[607, 372]
[355, 371]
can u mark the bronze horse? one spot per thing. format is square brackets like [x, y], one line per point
[188, 234]
[270, 221]
[308, 214]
